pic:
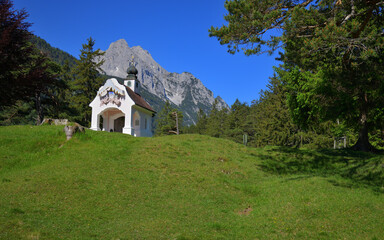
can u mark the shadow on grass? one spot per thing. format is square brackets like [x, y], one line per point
[298, 178]
[360, 167]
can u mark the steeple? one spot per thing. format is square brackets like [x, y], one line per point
[132, 73]
[131, 81]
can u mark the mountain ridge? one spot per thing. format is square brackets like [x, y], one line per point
[182, 89]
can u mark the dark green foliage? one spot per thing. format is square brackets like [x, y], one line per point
[41, 77]
[58, 105]
[377, 138]
[87, 81]
[248, 20]
[57, 55]
[236, 124]
[44, 73]
[29, 79]
[51, 100]
[20, 113]
[333, 56]
[201, 125]
[15, 54]
[273, 125]
[267, 122]
[270, 118]
[165, 123]
[216, 121]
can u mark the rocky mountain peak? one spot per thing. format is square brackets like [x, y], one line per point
[184, 90]
[119, 44]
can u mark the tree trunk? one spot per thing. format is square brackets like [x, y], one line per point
[362, 143]
[39, 108]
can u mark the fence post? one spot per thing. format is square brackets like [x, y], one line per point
[245, 139]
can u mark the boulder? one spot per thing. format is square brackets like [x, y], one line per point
[72, 129]
[51, 121]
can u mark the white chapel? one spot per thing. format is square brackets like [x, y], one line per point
[121, 108]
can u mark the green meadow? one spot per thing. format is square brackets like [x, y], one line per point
[101, 185]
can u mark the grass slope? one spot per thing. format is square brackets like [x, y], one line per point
[113, 186]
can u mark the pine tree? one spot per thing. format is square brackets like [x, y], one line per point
[236, 122]
[216, 120]
[16, 52]
[270, 117]
[87, 81]
[166, 123]
[201, 125]
[58, 104]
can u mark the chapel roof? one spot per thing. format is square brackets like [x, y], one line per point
[138, 100]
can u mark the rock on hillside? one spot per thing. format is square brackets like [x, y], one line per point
[184, 90]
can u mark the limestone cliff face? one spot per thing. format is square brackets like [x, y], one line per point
[184, 90]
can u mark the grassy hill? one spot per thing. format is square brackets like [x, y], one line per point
[113, 186]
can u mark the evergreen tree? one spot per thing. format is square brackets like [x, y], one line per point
[166, 123]
[21, 112]
[43, 73]
[15, 53]
[273, 125]
[333, 55]
[216, 121]
[236, 122]
[87, 81]
[58, 102]
[270, 117]
[190, 129]
[201, 125]
[42, 78]
[25, 73]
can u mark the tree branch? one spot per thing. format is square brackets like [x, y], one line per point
[353, 12]
[281, 19]
[366, 20]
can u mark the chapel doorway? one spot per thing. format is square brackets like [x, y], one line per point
[119, 124]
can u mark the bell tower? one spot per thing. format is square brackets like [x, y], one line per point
[131, 81]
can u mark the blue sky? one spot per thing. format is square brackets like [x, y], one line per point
[175, 32]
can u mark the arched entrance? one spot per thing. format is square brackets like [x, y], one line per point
[113, 120]
[119, 124]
